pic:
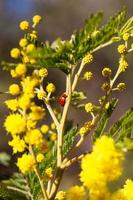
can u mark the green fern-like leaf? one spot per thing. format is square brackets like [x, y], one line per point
[69, 139]
[123, 127]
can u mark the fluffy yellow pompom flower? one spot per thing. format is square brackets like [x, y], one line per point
[37, 19]
[61, 195]
[128, 190]
[21, 69]
[104, 164]
[39, 157]
[14, 89]
[23, 42]
[17, 144]
[15, 53]
[50, 88]
[26, 163]
[15, 124]
[37, 113]
[24, 25]
[12, 104]
[34, 137]
[43, 72]
[75, 192]
[44, 128]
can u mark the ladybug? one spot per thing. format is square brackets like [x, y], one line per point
[62, 99]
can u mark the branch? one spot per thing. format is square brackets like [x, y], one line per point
[45, 195]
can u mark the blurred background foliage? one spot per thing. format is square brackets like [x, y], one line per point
[60, 19]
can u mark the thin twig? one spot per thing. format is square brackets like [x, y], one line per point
[45, 195]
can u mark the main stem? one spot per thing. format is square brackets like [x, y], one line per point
[61, 126]
[60, 130]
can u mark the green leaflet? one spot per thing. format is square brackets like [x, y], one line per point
[6, 194]
[123, 127]
[88, 42]
[105, 118]
[4, 158]
[77, 97]
[68, 140]
[19, 182]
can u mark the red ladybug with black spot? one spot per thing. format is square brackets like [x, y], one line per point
[62, 99]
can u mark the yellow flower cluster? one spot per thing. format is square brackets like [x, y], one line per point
[15, 123]
[17, 144]
[22, 123]
[104, 164]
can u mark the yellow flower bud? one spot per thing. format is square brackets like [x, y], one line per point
[88, 76]
[121, 86]
[23, 42]
[24, 25]
[89, 107]
[30, 48]
[121, 49]
[43, 72]
[106, 72]
[53, 136]
[50, 88]
[105, 87]
[88, 58]
[126, 36]
[49, 172]
[21, 69]
[39, 157]
[15, 53]
[37, 19]
[14, 89]
[41, 94]
[44, 128]
[123, 65]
